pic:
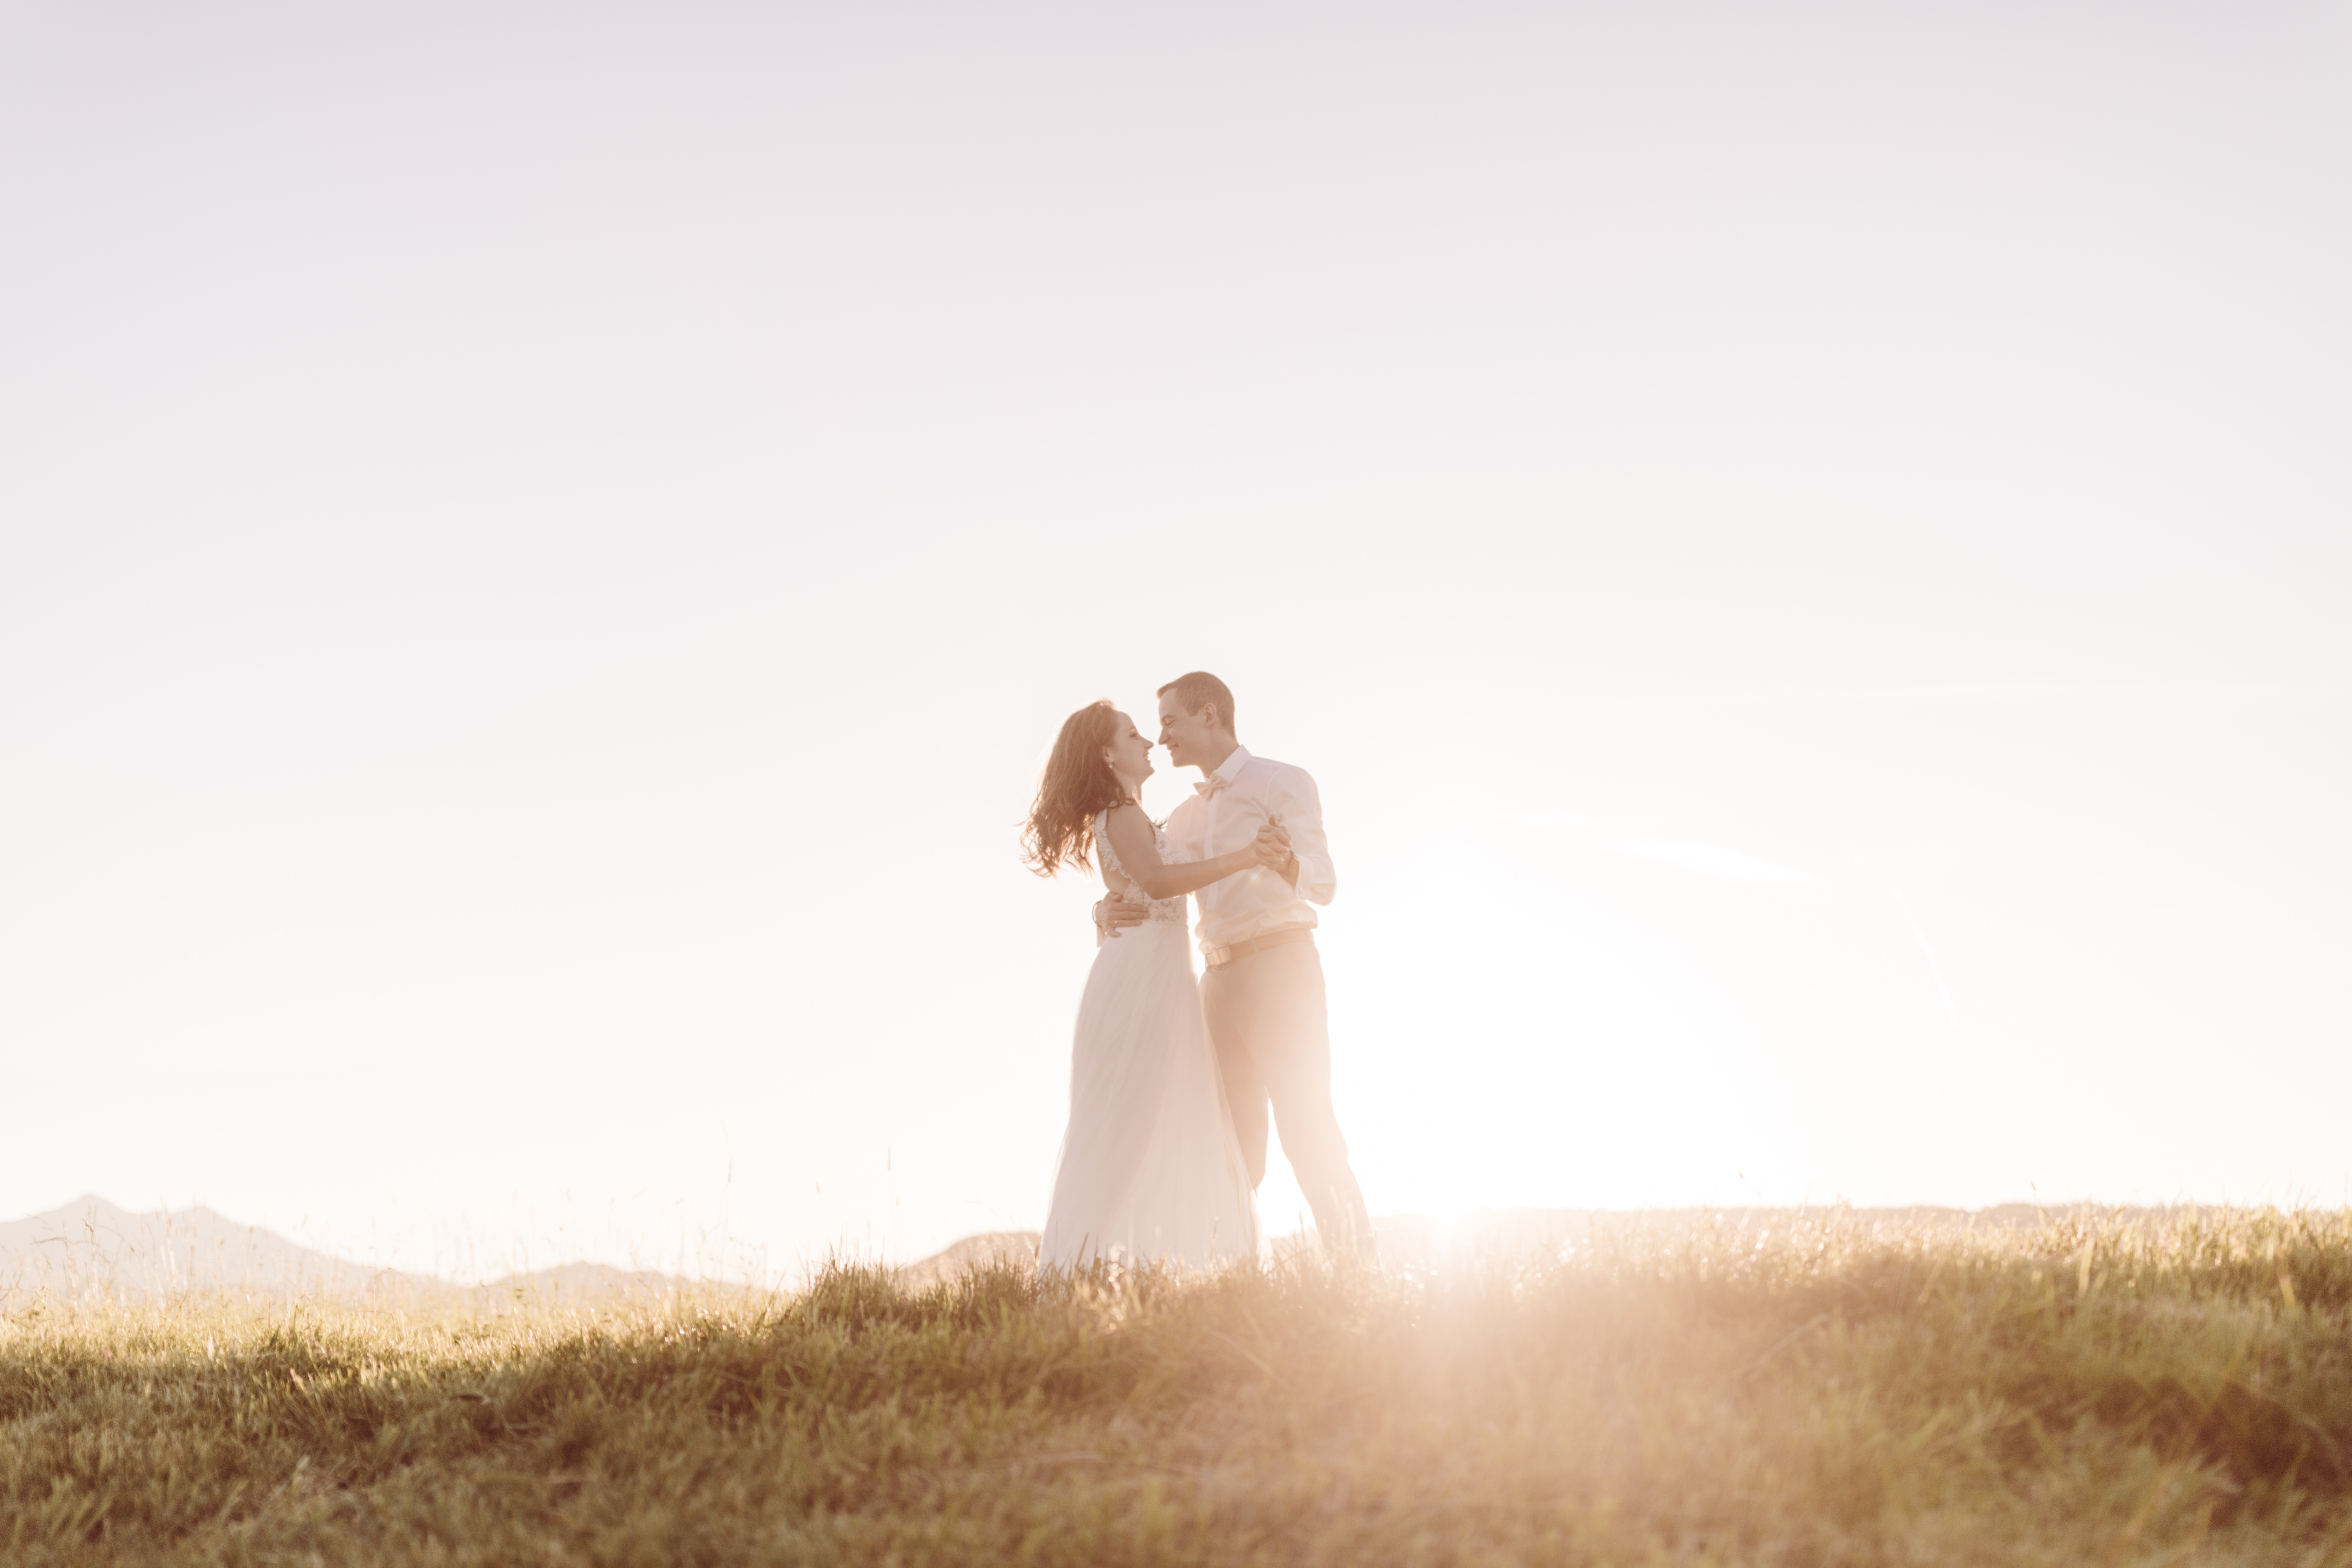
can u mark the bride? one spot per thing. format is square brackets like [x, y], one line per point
[1150, 1169]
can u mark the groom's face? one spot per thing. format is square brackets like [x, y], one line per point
[1187, 736]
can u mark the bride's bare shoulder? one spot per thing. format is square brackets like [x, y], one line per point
[1126, 822]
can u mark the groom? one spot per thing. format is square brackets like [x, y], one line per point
[1263, 991]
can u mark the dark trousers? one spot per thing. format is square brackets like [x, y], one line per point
[1272, 1035]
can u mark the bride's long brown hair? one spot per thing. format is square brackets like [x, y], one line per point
[1078, 783]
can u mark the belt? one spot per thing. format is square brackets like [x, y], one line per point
[1287, 934]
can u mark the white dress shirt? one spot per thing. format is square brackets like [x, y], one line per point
[1224, 813]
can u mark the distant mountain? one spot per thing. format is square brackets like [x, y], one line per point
[89, 1249]
[971, 1252]
[586, 1284]
[92, 1249]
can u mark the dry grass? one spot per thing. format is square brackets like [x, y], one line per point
[2085, 1393]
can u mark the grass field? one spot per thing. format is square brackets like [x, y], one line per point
[2086, 1392]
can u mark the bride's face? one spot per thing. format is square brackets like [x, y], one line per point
[1129, 752]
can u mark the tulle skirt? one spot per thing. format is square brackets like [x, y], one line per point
[1150, 1169]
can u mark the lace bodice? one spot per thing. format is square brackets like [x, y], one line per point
[1164, 911]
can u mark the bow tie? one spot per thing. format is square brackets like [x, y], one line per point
[1211, 784]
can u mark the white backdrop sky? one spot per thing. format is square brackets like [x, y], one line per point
[541, 549]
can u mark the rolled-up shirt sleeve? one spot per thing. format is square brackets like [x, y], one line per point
[1293, 802]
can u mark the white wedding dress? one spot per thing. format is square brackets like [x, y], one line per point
[1150, 1170]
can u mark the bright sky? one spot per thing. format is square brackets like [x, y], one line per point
[541, 549]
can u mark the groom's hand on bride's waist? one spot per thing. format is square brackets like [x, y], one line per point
[1113, 912]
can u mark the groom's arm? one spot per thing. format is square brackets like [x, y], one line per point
[1293, 802]
[1114, 915]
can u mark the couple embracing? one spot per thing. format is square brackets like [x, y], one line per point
[1171, 1076]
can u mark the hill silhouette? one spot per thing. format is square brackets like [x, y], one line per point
[92, 1249]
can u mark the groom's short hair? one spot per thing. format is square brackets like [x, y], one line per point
[1198, 690]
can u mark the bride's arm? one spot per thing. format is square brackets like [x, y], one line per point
[1130, 835]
